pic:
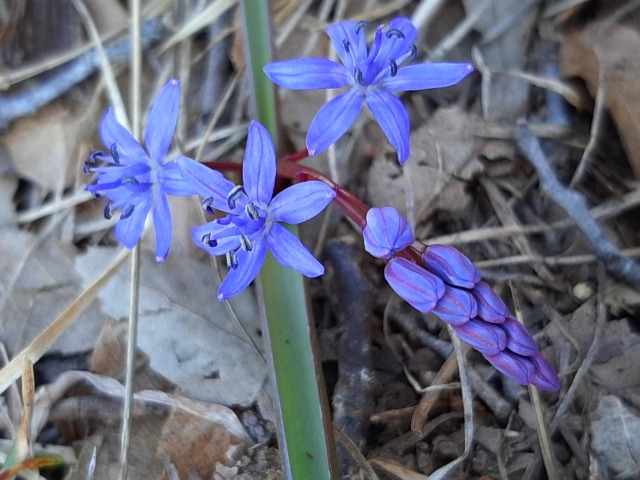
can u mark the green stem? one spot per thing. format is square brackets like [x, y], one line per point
[305, 430]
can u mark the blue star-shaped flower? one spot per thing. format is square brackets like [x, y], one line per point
[252, 224]
[135, 181]
[371, 74]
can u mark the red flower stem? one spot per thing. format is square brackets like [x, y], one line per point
[351, 206]
[296, 157]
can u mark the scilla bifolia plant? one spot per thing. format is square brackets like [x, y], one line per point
[431, 278]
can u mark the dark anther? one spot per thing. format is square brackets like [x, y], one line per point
[127, 212]
[207, 205]
[346, 45]
[252, 211]
[245, 243]
[86, 169]
[414, 53]
[233, 196]
[208, 241]
[394, 67]
[232, 260]
[95, 155]
[131, 180]
[359, 77]
[113, 151]
[107, 211]
[362, 24]
[394, 32]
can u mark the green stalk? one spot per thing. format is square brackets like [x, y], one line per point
[305, 430]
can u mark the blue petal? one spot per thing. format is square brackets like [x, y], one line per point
[129, 230]
[333, 120]
[393, 118]
[206, 182]
[226, 237]
[163, 227]
[259, 166]
[485, 337]
[394, 46]
[427, 75]
[343, 34]
[172, 183]
[519, 340]
[291, 253]
[301, 202]
[451, 265]
[128, 147]
[162, 121]
[545, 376]
[307, 74]
[239, 278]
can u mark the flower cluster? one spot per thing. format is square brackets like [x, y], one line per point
[448, 284]
[370, 74]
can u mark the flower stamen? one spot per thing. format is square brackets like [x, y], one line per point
[207, 205]
[245, 243]
[106, 212]
[113, 151]
[394, 67]
[208, 241]
[394, 32]
[232, 260]
[362, 24]
[252, 212]
[233, 196]
[127, 212]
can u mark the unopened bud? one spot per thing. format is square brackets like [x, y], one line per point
[485, 337]
[414, 284]
[451, 265]
[519, 340]
[456, 306]
[386, 232]
[521, 369]
[491, 308]
[544, 377]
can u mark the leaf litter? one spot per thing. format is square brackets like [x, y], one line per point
[203, 409]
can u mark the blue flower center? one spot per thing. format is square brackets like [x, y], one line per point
[388, 52]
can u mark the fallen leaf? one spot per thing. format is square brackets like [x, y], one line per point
[187, 333]
[605, 56]
[615, 432]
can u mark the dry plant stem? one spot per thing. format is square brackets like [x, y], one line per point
[132, 337]
[28, 102]
[576, 207]
[570, 395]
[43, 342]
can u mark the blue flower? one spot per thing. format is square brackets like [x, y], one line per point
[252, 224]
[372, 74]
[136, 180]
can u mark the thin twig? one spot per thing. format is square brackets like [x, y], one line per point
[132, 337]
[65, 77]
[576, 207]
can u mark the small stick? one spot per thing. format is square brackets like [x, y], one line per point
[576, 207]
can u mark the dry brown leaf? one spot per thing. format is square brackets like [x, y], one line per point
[186, 332]
[606, 56]
[37, 281]
[443, 155]
[504, 97]
[41, 148]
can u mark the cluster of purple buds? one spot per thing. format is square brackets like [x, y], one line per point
[447, 283]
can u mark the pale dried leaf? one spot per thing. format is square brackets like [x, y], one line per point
[605, 56]
[615, 431]
[185, 330]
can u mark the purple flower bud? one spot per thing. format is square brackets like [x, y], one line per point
[544, 377]
[491, 308]
[485, 337]
[521, 369]
[386, 233]
[519, 340]
[456, 307]
[414, 284]
[451, 265]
